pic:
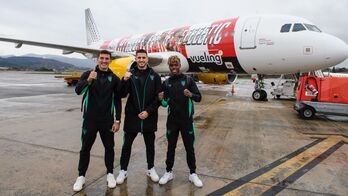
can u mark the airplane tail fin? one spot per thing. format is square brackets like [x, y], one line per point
[93, 35]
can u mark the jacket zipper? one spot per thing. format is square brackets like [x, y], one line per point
[144, 93]
[137, 94]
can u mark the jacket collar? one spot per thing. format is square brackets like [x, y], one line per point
[179, 76]
[98, 70]
[134, 68]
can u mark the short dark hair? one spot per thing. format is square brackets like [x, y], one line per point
[174, 60]
[104, 52]
[140, 51]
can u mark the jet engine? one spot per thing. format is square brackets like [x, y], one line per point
[119, 66]
[159, 61]
[216, 78]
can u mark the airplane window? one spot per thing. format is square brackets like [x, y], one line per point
[285, 28]
[298, 27]
[312, 28]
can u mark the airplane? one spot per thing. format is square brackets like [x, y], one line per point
[265, 44]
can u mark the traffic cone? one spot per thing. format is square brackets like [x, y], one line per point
[232, 90]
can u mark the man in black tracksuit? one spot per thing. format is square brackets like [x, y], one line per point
[142, 86]
[100, 103]
[179, 92]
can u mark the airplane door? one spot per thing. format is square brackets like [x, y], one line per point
[248, 38]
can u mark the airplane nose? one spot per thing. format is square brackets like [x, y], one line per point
[342, 51]
[339, 51]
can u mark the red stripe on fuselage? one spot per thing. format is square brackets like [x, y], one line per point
[221, 38]
[105, 44]
[122, 44]
[176, 42]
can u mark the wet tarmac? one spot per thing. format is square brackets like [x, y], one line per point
[243, 147]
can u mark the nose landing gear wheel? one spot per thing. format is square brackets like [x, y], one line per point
[259, 95]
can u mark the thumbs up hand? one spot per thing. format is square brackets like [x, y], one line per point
[127, 75]
[92, 75]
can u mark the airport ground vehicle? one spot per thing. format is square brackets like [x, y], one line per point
[285, 87]
[324, 95]
[72, 79]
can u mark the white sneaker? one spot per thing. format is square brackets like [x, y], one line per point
[122, 175]
[166, 177]
[80, 181]
[195, 180]
[110, 179]
[152, 174]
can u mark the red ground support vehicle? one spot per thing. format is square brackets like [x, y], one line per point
[325, 95]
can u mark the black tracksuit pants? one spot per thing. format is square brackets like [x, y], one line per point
[188, 135]
[88, 137]
[128, 138]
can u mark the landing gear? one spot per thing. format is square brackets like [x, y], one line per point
[259, 94]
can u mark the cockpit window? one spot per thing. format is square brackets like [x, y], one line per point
[298, 27]
[312, 28]
[285, 28]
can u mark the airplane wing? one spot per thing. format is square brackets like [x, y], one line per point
[89, 52]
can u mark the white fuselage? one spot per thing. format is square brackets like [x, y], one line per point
[253, 45]
[287, 52]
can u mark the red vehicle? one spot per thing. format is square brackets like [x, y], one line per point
[325, 95]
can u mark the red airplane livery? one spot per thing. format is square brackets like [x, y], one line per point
[264, 44]
[214, 42]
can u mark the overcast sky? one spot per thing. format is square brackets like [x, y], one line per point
[62, 21]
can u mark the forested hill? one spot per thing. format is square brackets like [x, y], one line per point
[34, 63]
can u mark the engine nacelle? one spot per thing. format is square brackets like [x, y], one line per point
[216, 78]
[159, 61]
[119, 66]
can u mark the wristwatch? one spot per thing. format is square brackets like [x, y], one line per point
[117, 121]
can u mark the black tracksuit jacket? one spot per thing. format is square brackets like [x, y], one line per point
[101, 98]
[180, 108]
[143, 88]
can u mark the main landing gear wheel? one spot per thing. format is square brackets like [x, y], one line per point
[259, 95]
